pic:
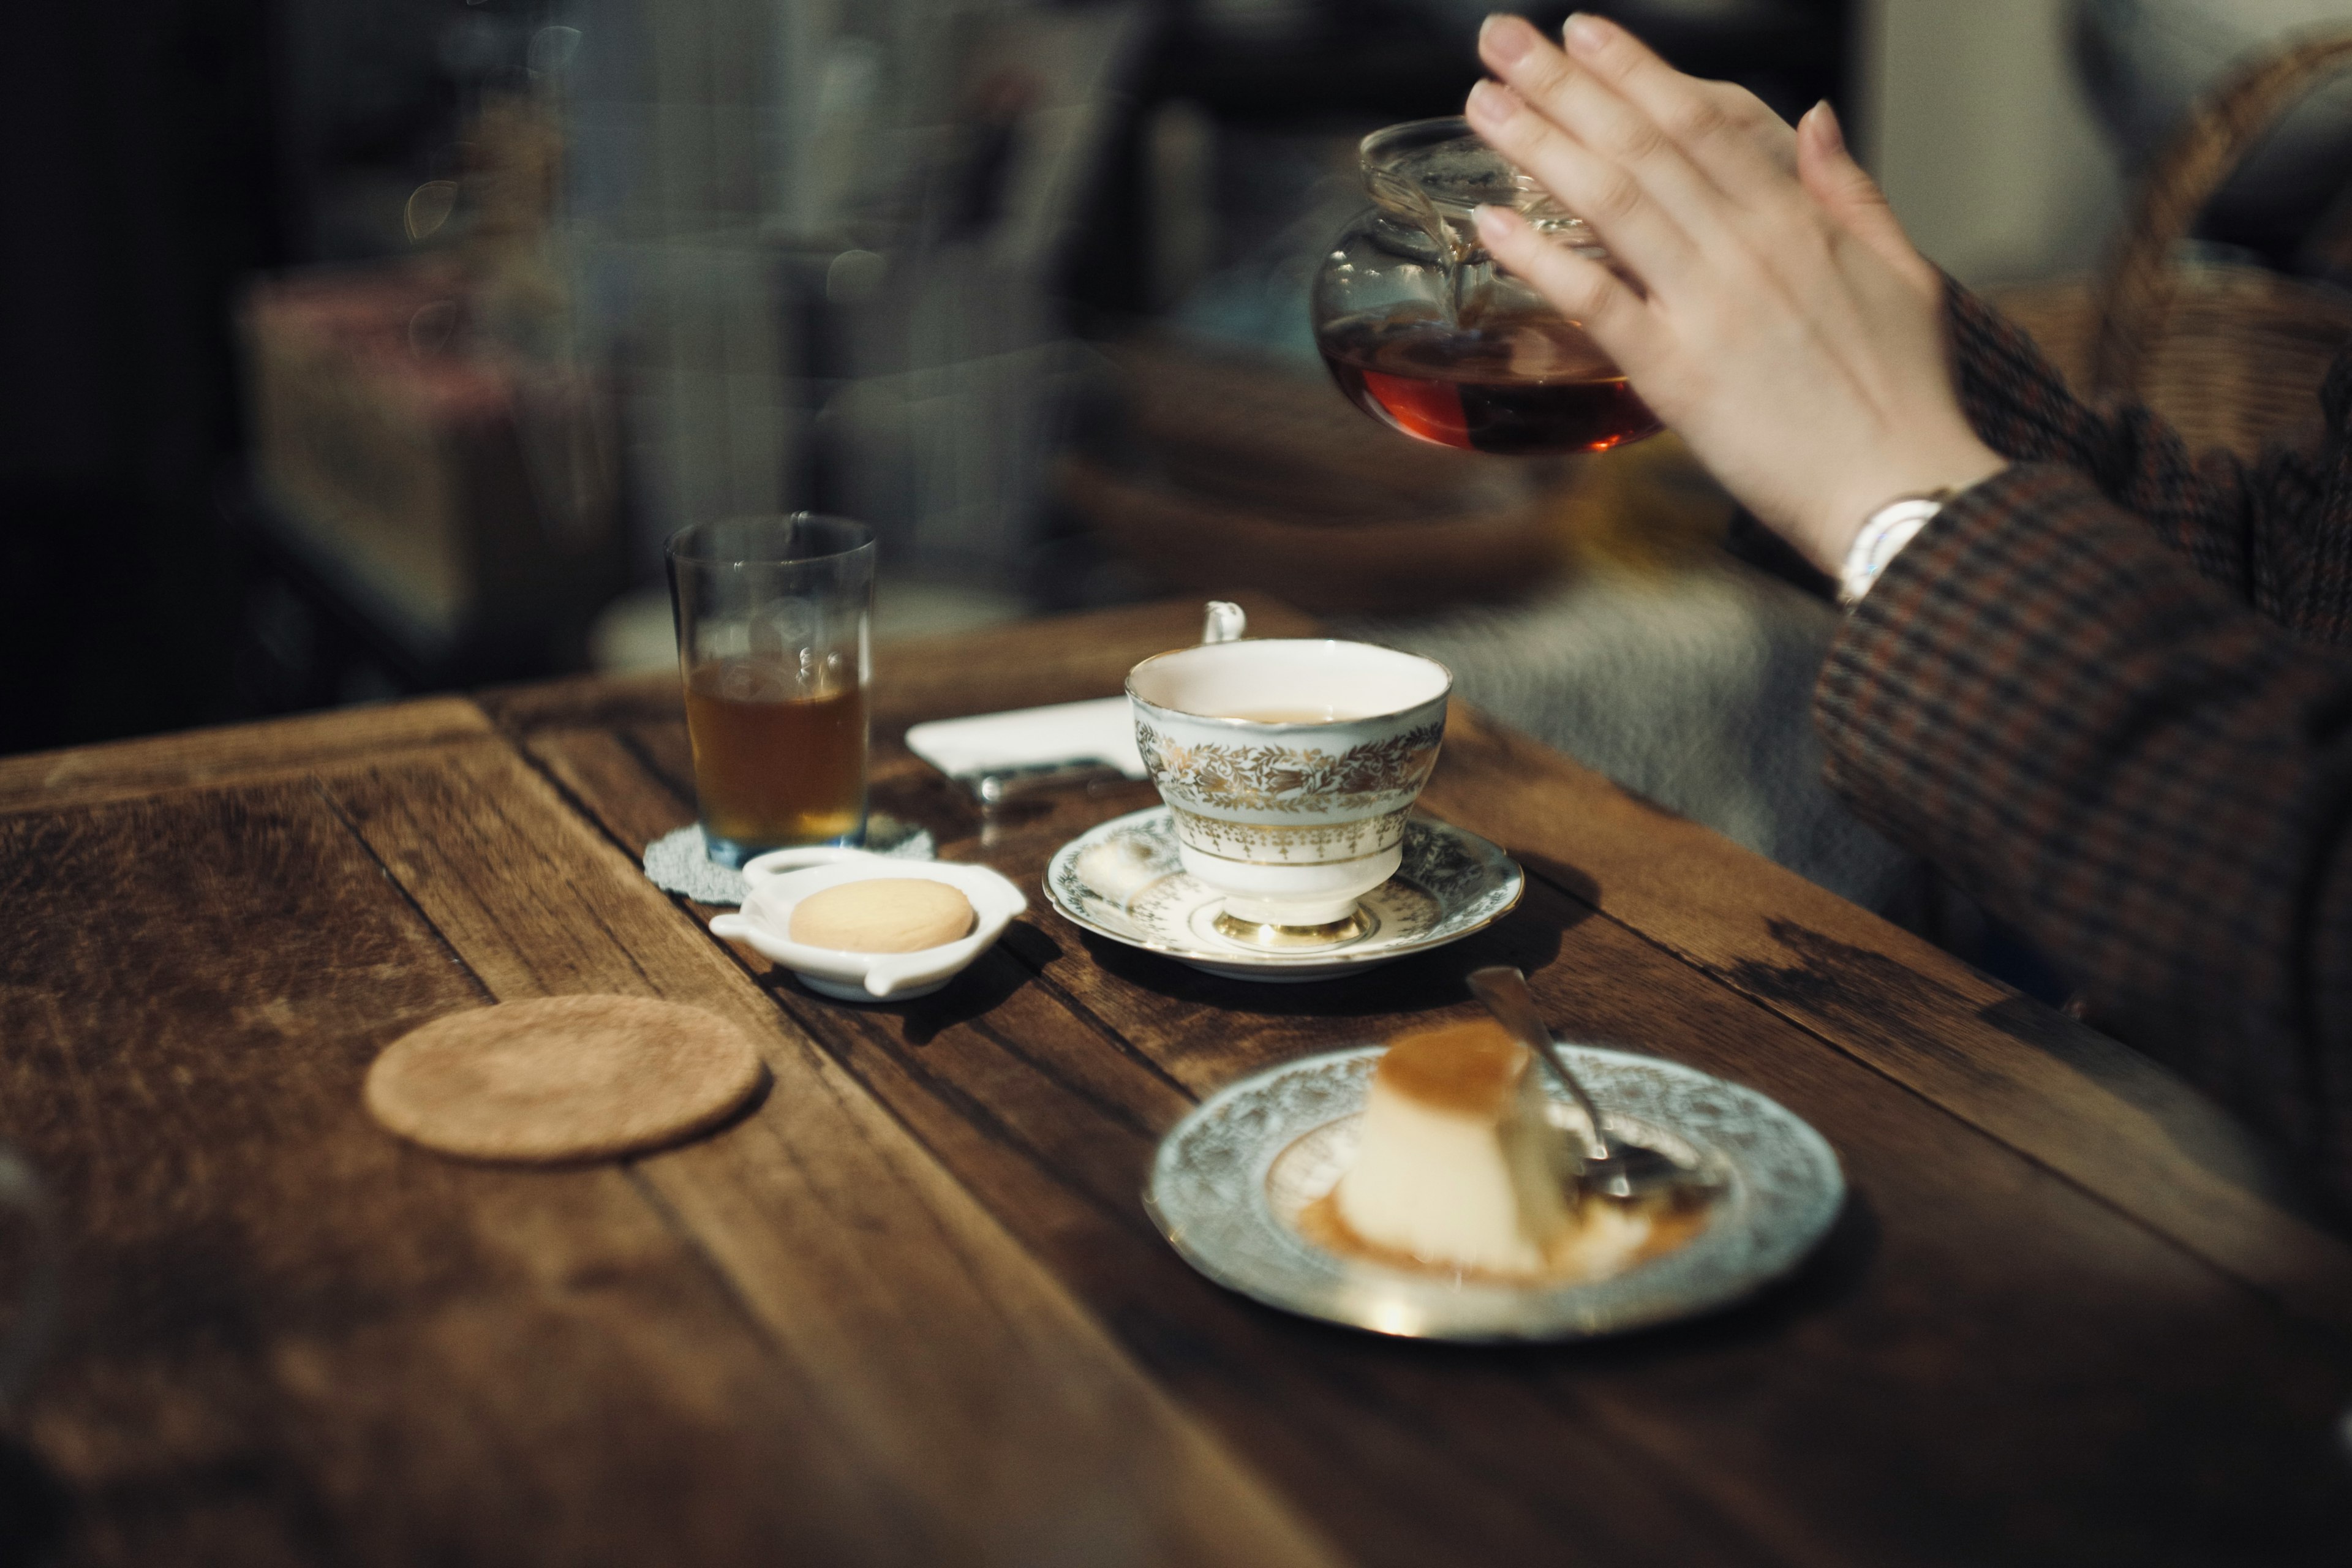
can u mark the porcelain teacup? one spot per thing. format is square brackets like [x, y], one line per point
[1289, 765]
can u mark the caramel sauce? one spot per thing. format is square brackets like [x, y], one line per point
[1673, 1222]
[1472, 1068]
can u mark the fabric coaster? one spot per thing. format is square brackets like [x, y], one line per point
[678, 863]
[563, 1078]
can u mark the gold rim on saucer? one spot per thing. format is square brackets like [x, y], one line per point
[1123, 880]
[1231, 1182]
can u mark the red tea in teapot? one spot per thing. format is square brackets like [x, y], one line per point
[1521, 385]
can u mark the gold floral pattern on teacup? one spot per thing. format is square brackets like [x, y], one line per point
[1243, 776]
[1306, 844]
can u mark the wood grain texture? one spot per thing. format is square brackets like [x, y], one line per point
[944, 1358]
[1004, 1071]
[1970, 1282]
[47, 781]
[2072, 1099]
[293, 1339]
[908, 1308]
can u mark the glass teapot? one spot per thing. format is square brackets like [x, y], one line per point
[1425, 333]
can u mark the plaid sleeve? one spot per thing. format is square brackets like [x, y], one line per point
[2152, 780]
[2238, 524]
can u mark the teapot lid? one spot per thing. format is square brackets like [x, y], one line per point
[1439, 168]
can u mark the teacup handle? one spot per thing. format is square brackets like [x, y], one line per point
[37, 1306]
[1226, 622]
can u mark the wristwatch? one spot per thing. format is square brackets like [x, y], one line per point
[1883, 534]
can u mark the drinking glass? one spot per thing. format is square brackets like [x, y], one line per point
[774, 641]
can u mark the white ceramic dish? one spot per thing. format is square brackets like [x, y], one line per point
[1125, 880]
[781, 878]
[1230, 1179]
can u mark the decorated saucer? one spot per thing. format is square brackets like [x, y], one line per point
[1234, 1184]
[1122, 880]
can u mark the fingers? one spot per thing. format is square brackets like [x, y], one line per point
[1851, 197]
[1636, 154]
[1724, 132]
[1616, 198]
[1577, 287]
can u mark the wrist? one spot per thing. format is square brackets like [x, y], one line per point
[1945, 474]
[1885, 534]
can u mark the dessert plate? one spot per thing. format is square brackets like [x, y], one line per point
[1230, 1179]
[1121, 879]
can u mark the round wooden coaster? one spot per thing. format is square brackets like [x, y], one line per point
[565, 1079]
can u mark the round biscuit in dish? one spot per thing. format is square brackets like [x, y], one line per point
[883, 914]
[563, 1078]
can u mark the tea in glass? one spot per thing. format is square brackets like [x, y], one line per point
[774, 766]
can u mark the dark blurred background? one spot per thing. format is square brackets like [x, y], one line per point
[362, 348]
[202, 519]
[140, 157]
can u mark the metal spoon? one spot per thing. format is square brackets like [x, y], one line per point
[1613, 1167]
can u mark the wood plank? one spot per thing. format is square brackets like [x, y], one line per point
[43, 781]
[291, 1338]
[965, 1373]
[2106, 1116]
[585, 700]
[1976, 1259]
[274, 748]
[1817, 1428]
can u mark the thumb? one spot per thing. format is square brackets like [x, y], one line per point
[1851, 196]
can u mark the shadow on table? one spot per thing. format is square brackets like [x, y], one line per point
[979, 989]
[1833, 1272]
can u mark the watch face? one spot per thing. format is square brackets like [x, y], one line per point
[1882, 538]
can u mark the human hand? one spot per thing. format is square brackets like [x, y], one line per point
[1782, 323]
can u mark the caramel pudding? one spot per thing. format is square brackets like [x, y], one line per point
[1459, 1169]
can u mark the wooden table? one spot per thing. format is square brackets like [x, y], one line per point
[909, 1309]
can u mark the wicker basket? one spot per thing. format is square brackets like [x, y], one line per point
[2231, 355]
